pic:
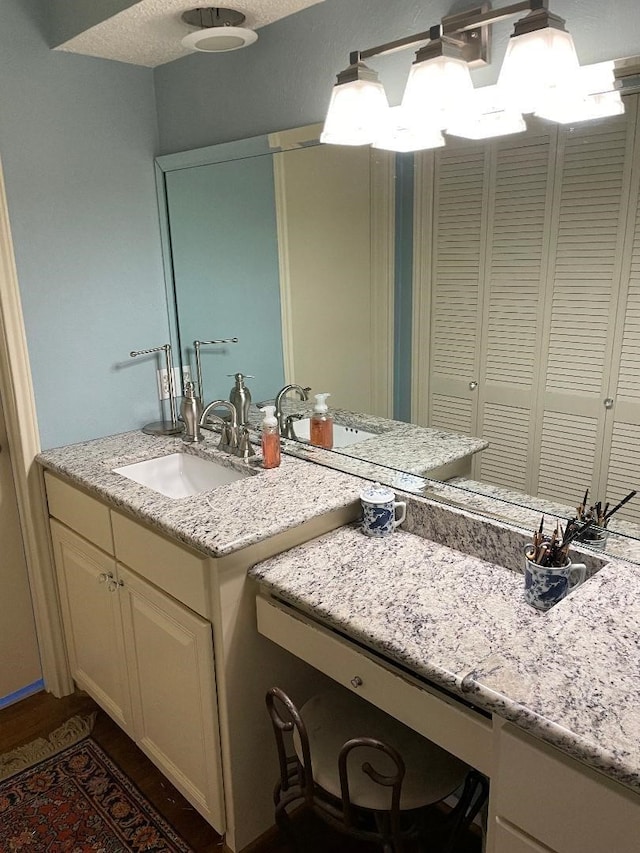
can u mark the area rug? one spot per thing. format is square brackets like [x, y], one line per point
[76, 801]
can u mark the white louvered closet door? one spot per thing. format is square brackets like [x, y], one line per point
[518, 213]
[532, 291]
[621, 459]
[459, 236]
[590, 210]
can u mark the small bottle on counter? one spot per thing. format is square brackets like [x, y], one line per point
[270, 438]
[321, 423]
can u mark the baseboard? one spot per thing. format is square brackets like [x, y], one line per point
[17, 695]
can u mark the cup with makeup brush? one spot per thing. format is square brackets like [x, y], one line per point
[595, 520]
[549, 574]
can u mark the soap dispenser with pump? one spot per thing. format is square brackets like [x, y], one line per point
[270, 438]
[191, 412]
[240, 398]
[321, 431]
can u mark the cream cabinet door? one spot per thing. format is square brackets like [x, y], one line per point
[93, 626]
[173, 692]
[509, 840]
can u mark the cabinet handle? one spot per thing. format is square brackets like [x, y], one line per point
[608, 403]
[105, 576]
[473, 386]
[356, 681]
[113, 584]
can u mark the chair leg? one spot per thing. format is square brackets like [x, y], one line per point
[474, 796]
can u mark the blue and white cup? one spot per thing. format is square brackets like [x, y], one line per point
[546, 586]
[379, 510]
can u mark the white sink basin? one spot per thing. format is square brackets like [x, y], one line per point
[343, 436]
[180, 475]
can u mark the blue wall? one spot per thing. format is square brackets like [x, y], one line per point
[77, 138]
[227, 253]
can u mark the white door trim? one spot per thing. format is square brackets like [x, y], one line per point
[24, 442]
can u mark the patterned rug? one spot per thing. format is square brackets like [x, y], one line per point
[77, 801]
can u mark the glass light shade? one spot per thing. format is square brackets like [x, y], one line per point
[436, 90]
[569, 109]
[534, 64]
[356, 113]
[592, 97]
[402, 135]
[598, 78]
[487, 117]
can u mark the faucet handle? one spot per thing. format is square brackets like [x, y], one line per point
[245, 448]
[228, 438]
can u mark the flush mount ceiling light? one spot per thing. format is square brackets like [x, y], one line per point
[219, 30]
[541, 74]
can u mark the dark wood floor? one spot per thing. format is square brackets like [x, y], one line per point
[38, 715]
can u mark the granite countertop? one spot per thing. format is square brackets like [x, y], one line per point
[216, 522]
[569, 676]
[396, 444]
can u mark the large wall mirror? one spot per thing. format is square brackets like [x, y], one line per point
[508, 269]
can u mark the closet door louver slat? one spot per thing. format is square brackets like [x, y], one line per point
[586, 257]
[459, 186]
[566, 457]
[519, 202]
[504, 463]
[624, 469]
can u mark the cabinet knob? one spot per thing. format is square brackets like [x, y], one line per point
[473, 385]
[356, 681]
[608, 403]
[113, 584]
[105, 576]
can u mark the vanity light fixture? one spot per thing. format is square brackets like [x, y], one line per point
[439, 85]
[488, 116]
[541, 74]
[540, 60]
[358, 108]
[397, 134]
[219, 30]
[595, 97]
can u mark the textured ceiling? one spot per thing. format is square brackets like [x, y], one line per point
[149, 32]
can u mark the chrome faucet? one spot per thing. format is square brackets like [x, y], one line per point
[303, 393]
[234, 438]
[229, 432]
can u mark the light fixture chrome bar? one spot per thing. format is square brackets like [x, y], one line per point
[474, 20]
[465, 21]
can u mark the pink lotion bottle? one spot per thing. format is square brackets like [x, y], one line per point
[321, 423]
[270, 438]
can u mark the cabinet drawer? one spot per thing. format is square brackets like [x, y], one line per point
[174, 568]
[84, 514]
[567, 806]
[457, 729]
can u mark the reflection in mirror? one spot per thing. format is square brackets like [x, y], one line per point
[526, 298]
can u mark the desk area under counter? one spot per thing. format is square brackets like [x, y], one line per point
[544, 704]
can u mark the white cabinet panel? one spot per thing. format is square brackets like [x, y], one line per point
[171, 670]
[92, 622]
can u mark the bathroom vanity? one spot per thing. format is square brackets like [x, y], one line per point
[179, 614]
[159, 617]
